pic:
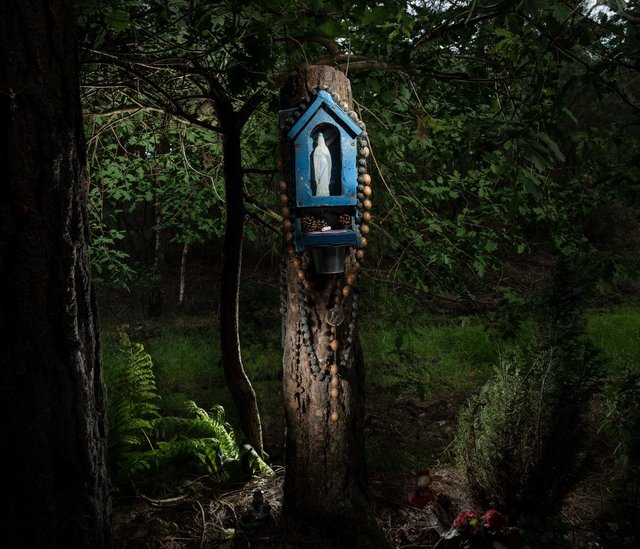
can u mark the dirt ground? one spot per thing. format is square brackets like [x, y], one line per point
[227, 517]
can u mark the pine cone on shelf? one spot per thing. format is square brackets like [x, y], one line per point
[312, 223]
[344, 221]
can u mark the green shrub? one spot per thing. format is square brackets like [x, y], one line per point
[521, 440]
[622, 423]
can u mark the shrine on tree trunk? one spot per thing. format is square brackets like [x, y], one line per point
[326, 191]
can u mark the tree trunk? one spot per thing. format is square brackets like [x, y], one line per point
[52, 399]
[325, 479]
[183, 273]
[156, 291]
[237, 381]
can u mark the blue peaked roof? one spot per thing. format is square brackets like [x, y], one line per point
[324, 101]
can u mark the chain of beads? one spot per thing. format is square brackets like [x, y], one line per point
[341, 357]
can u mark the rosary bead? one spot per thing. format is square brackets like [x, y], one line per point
[296, 262]
[366, 179]
[334, 369]
[283, 186]
[334, 345]
[334, 392]
[335, 417]
[286, 223]
[366, 217]
[285, 211]
[284, 199]
[368, 191]
[335, 382]
[351, 279]
[360, 254]
[300, 274]
[367, 204]
[364, 241]
[346, 291]
[355, 266]
[307, 285]
[364, 229]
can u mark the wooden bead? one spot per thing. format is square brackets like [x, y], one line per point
[351, 279]
[364, 229]
[346, 291]
[296, 262]
[364, 242]
[334, 345]
[360, 254]
[367, 191]
[334, 369]
[335, 417]
[288, 236]
[367, 204]
[366, 152]
[300, 274]
[284, 199]
[355, 266]
[286, 223]
[334, 393]
[366, 217]
[307, 284]
[335, 382]
[285, 212]
[283, 186]
[366, 179]
[291, 251]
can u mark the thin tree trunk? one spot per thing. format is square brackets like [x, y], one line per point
[52, 400]
[237, 381]
[325, 479]
[183, 273]
[156, 295]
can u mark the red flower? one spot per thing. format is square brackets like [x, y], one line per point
[464, 519]
[494, 520]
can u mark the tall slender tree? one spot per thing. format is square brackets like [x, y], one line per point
[52, 399]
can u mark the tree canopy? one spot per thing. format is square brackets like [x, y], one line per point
[500, 131]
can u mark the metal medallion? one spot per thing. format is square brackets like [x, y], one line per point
[335, 317]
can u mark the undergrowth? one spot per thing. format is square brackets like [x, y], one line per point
[145, 447]
[521, 441]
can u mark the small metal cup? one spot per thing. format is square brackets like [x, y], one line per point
[329, 259]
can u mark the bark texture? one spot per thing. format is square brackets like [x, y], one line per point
[52, 399]
[325, 481]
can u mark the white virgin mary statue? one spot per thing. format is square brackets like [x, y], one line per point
[322, 166]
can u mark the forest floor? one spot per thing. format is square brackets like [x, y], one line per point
[418, 380]
[223, 517]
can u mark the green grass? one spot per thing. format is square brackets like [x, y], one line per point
[414, 360]
[617, 333]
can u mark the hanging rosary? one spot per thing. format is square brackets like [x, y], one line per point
[329, 225]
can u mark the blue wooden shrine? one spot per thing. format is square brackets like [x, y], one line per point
[324, 148]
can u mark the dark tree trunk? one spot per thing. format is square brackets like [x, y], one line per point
[325, 479]
[52, 402]
[237, 381]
